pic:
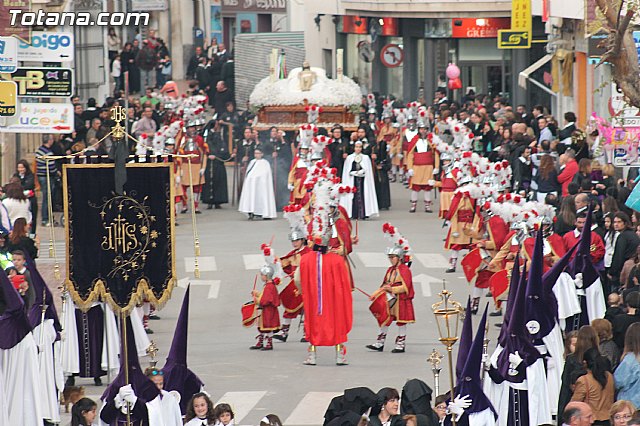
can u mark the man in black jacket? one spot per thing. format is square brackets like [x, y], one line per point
[221, 97]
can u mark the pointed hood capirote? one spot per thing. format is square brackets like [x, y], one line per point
[470, 382]
[466, 338]
[14, 323]
[41, 289]
[176, 374]
[143, 387]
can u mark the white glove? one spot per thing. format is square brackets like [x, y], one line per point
[290, 187]
[436, 171]
[391, 155]
[201, 172]
[400, 155]
[127, 393]
[410, 172]
[458, 405]
[431, 182]
[514, 360]
[550, 363]
[63, 335]
[178, 180]
[578, 280]
[120, 403]
[353, 174]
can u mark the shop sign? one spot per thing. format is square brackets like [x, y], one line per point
[148, 5]
[521, 15]
[260, 6]
[622, 114]
[41, 118]
[8, 98]
[43, 82]
[22, 32]
[391, 56]
[8, 54]
[47, 46]
[624, 141]
[354, 25]
[478, 27]
[514, 39]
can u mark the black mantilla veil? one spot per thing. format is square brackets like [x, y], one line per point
[121, 247]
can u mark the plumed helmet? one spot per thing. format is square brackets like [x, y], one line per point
[268, 271]
[445, 156]
[297, 234]
[395, 251]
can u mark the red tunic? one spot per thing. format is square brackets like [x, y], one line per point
[290, 262]
[400, 279]
[268, 301]
[596, 249]
[558, 250]
[326, 292]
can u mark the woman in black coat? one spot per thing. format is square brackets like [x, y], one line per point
[381, 175]
[128, 60]
[215, 192]
[625, 243]
[27, 180]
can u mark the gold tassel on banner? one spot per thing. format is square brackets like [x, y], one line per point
[196, 240]
[52, 237]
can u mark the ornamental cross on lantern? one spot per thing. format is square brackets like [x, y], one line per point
[118, 114]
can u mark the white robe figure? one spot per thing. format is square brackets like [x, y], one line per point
[370, 198]
[22, 392]
[70, 346]
[257, 195]
[554, 345]
[537, 393]
[568, 303]
[50, 371]
[4, 401]
[164, 410]
[142, 339]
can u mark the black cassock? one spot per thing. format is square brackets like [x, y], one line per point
[215, 176]
[358, 206]
[381, 176]
[281, 167]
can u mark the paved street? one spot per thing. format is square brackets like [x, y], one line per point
[257, 383]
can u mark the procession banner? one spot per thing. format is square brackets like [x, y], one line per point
[120, 247]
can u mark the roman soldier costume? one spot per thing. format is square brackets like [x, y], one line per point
[461, 215]
[323, 278]
[192, 169]
[393, 301]
[267, 301]
[423, 160]
[290, 297]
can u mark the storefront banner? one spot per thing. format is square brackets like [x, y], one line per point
[478, 27]
[8, 54]
[22, 32]
[41, 118]
[216, 21]
[148, 5]
[521, 15]
[261, 6]
[43, 82]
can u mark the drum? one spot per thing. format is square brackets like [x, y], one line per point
[475, 261]
[291, 298]
[380, 309]
[499, 283]
[250, 314]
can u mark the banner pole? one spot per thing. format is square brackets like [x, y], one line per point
[123, 333]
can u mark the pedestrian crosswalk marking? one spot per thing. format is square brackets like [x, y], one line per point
[432, 260]
[310, 411]
[373, 259]
[242, 402]
[253, 261]
[425, 282]
[214, 285]
[205, 264]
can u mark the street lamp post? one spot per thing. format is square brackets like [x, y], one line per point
[447, 312]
